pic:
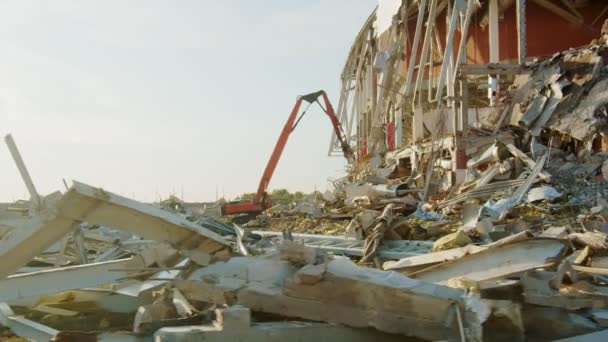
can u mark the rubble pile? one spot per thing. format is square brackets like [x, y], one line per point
[527, 226]
[517, 251]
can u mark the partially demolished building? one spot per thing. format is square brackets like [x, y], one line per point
[476, 209]
[415, 91]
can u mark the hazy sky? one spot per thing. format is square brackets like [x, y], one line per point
[146, 97]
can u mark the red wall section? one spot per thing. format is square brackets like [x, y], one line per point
[547, 33]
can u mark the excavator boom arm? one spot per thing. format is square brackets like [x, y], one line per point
[260, 202]
[329, 110]
[276, 153]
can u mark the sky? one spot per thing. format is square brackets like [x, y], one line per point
[146, 98]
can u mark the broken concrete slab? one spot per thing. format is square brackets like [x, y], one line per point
[161, 309]
[24, 327]
[345, 294]
[539, 289]
[414, 263]
[30, 236]
[84, 203]
[497, 262]
[144, 290]
[556, 232]
[410, 264]
[35, 284]
[103, 299]
[97, 206]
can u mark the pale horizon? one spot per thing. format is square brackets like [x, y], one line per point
[146, 98]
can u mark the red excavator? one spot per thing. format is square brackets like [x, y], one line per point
[261, 201]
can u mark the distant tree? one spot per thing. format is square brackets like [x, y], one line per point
[246, 196]
[222, 200]
[317, 195]
[298, 196]
[281, 196]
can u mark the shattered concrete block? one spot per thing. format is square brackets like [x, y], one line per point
[310, 274]
[51, 281]
[298, 253]
[234, 317]
[556, 232]
[161, 309]
[83, 203]
[496, 262]
[344, 294]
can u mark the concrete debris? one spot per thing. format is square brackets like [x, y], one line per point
[463, 216]
[542, 193]
[317, 292]
[406, 265]
[496, 262]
